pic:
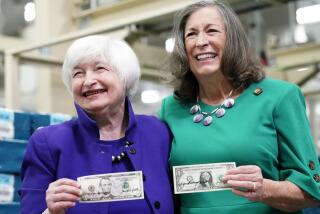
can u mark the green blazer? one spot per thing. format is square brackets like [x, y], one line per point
[269, 129]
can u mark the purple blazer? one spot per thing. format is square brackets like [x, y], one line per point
[71, 149]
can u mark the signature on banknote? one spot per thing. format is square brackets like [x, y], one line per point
[205, 181]
[200, 178]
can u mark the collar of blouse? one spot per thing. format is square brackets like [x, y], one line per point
[90, 131]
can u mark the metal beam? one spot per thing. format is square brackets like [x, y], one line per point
[47, 60]
[311, 75]
[159, 8]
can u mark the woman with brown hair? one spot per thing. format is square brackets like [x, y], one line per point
[224, 109]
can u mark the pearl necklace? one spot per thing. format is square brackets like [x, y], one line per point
[122, 155]
[119, 157]
[206, 116]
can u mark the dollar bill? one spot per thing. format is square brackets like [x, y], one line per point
[111, 187]
[200, 177]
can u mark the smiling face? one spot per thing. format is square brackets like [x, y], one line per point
[96, 86]
[205, 39]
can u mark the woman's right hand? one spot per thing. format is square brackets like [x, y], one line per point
[61, 195]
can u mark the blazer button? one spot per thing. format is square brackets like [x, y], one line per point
[157, 205]
[316, 177]
[257, 91]
[311, 165]
[132, 151]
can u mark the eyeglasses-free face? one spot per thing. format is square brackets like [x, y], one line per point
[205, 39]
[96, 86]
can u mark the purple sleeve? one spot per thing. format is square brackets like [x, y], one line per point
[37, 172]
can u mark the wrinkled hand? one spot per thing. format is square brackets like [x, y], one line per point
[246, 181]
[61, 195]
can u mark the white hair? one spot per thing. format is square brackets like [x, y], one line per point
[117, 54]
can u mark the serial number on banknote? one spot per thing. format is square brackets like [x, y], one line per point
[200, 177]
[111, 187]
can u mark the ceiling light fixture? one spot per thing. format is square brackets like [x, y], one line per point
[169, 45]
[310, 14]
[150, 96]
[300, 35]
[29, 12]
[303, 69]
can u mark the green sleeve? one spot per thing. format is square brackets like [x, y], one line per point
[297, 157]
[161, 111]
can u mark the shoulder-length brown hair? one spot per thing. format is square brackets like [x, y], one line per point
[238, 64]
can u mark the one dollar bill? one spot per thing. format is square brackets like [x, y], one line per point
[111, 187]
[200, 177]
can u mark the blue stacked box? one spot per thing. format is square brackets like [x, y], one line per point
[41, 120]
[17, 185]
[14, 125]
[10, 208]
[11, 155]
[22, 125]
[15, 129]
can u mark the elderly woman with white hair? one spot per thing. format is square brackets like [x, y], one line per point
[106, 137]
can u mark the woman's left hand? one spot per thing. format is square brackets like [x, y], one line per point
[246, 181]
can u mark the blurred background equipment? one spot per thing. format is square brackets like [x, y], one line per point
[34, 35]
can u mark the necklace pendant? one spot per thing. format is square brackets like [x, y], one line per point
[207, 121]
[228, 103]
[194, 109]
[207, 117]
[197, 118]
[220, 112]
